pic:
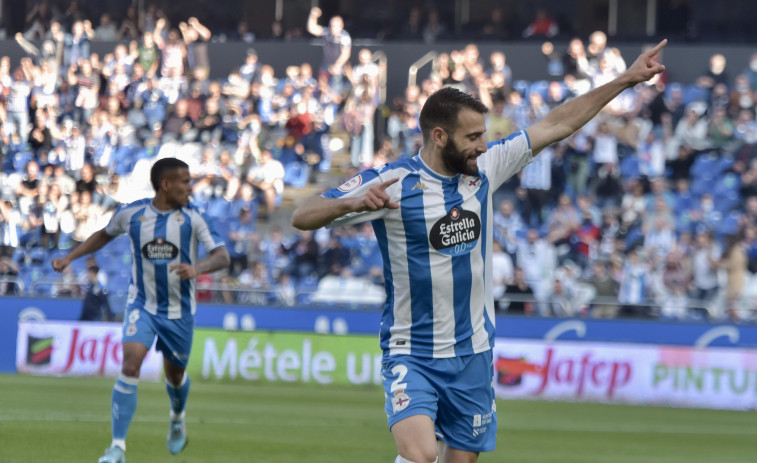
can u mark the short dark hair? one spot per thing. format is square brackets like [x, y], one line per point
[163, 167]
[441, 109]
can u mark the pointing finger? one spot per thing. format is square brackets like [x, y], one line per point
[657, 47]
[386, 184]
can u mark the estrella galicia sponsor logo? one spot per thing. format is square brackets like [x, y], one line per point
[160, 251]
[39, 351]
[456, 233]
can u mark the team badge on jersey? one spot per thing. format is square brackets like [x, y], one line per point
[352, 183]
[456, 233]
[179, 217]
[400, 401]
[160, 251]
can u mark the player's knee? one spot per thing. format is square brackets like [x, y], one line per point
[131, 369]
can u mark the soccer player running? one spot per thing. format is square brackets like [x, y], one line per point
[432, 215]
[164, 233]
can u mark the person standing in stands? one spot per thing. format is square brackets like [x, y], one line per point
[337, 45]
[165, 232]
[432, 218]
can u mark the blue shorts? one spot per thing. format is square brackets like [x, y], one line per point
[174, 335]
[457, 393]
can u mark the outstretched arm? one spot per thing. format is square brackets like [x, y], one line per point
[313, 26]
[317, 212]
[572, 115]
[96, 241]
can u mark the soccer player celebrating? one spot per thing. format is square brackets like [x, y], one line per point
[164, 233]
[432, 215]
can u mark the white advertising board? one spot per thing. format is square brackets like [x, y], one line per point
[676, 376]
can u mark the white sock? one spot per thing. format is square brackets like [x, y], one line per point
[119, 443]
[399, 459]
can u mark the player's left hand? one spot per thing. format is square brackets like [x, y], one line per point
[185, 271]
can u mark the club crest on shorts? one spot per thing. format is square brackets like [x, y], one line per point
[351, 184]
[400, 401]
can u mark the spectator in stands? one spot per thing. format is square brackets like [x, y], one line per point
[434, 27]
[255, 283]
[518, 295]
[412, 28]
[129, 29]
[10, 220]
[715, 74]
[706, 258]
[9, 272]
[605, 291]
[242, 238]
[538, 260]
[106, 31]
[634, 283]
[335, 258]
[508, 224]
[337, 45]
[268, 177]
[17, 102]
[172, 48]
[542, 26]
[95, 306]
[735, 263]
[303, 256]
[196, 37]
[677, 282]
[76, 44]
[502, 273]
[496, 26]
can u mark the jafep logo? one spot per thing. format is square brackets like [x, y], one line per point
[39, 351]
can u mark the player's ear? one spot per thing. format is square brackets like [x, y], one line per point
[439, 136]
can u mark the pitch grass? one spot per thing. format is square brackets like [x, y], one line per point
[50, 420]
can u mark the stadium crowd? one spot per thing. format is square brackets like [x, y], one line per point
[650, 210]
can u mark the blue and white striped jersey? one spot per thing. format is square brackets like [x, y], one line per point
[435, 247]
[159, 239]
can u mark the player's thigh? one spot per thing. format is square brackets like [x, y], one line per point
[138, 334]
[467, 418]
[175, 340]
[410, 406]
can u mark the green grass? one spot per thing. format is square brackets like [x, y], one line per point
[67, 420]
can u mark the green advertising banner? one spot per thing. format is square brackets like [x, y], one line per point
[287, 357]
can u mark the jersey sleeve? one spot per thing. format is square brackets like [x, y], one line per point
[118, 222]
[357, 186]
[506, 157]
[205, 232]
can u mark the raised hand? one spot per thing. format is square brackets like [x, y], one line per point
[646, 66]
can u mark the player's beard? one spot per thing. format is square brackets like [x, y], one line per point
[457, 161]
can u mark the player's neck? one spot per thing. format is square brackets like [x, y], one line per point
[432, 157]
[160, 204]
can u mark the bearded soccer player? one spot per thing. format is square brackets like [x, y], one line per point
[432, 215]
[165, 232]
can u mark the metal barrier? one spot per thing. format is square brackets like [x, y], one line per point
[412, 73]
[11, 281]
